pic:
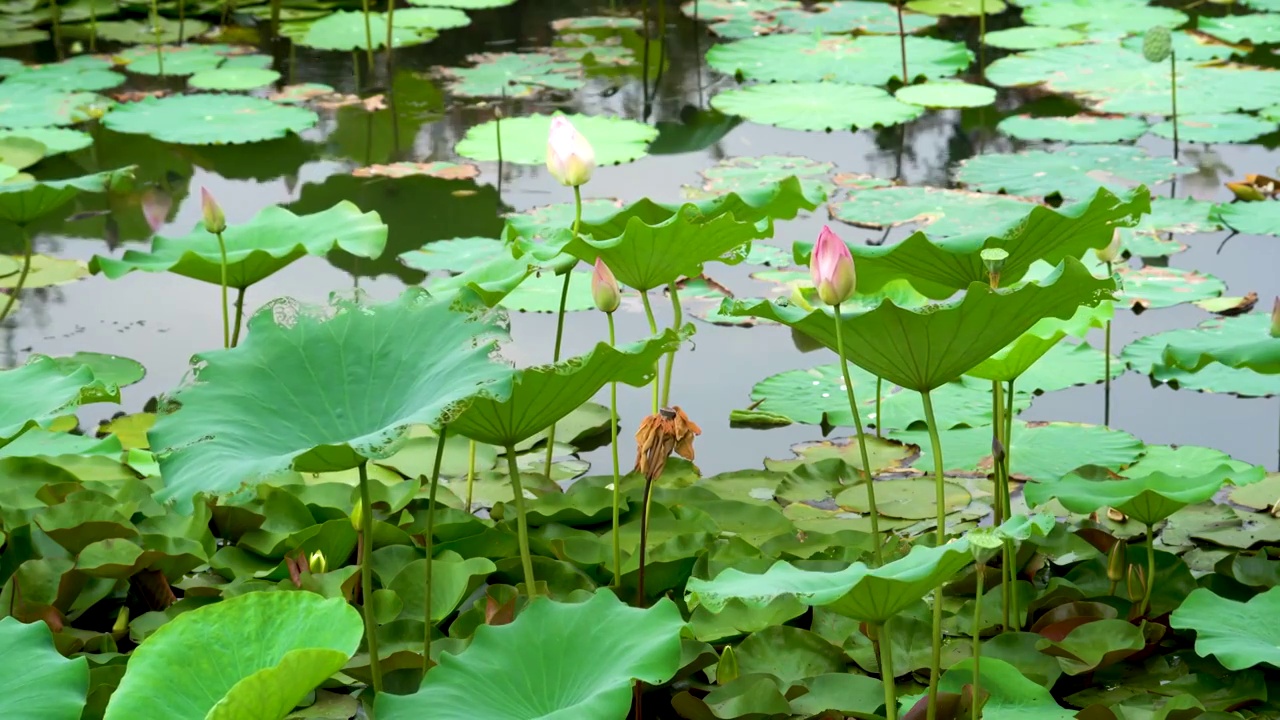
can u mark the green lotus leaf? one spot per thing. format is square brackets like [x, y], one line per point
[905, 352]
[1103, 15]
[1190, 45]
[78, 74]
[23, 202]
[1147, 355]
[524, 139]
[1216, 128]
[958, 8]
[160, 31]
[1074, 128]
[186, 59]
[940, 269]
[540, 292]
[345, 30]
[1011, 695]
[1041, 451]
[737, 18]
[54, 140]
[1077, 172]
[847, 16]
[44, 389]
[20, 153]
[39, 683]
[232, 79]
[272, 240]
[455, 256]
[25, 105]
[1260, 353]
[741, 174]
[946, 94]
[1239, 634]
[112, 371]
[542, 395]
[209, 119]
[514, 75]
[789, 654]
[1259, 29]
[451, 580]
[870, 595]
[558, 660]
[1027, 351]
[260, 654]
[293, 372]
[1148, 498]
[1031, 37]
[816, 106]
[464, 4]
[37, 442]
[864, 60]
[944, 212]
[493, 281]
[1253, 218]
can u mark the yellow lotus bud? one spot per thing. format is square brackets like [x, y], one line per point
[727, 668]
[317, 563]
[1117, 562]
[214, 220]
[357, 516]
[121, 625]
[1111, 252]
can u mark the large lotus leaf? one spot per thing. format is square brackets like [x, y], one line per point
[946, 94]
[1253, 218]
[908, 343]
[39, 683]
[945, 212]
[345, 30]
[1160, 287]
[1191, 46]
[1074, 128]
[864, 60]
[34, 105]
[1148, 499]
[1117, 80]
[1210, 128]
[1032, 37]
[871, 595]
[83, 73]
[1257, 352]
[323, 389]
[1262, 28]
[1077, 172]
[513, 75]
[273, 239]
[210, 119]
[524, 139]
[1011, 696]
[738, 174]
[1041, 451]
[737, 18]
[818, 106]
[22, 202]
[55, 140]
[464, 4]
[540, 396]
[1147, 355]
[258, 655]
[1027, 351]
[1239, 634]
[940, 269]
[1103, 15]
[42, 390]
[847, 16]
[555, 661]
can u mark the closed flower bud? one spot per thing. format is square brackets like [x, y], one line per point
[357, 516]
[1111, 252]
[214, 221]
[604, 288]
[570, 158]
[1117, 562]
[831, 267]
[1275, 319]
[727, 669]
[317, 563]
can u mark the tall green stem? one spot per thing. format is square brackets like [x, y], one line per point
[1151, 570]
[564, 298]
[977, 640]
[1003, 503]
[235, 328]
[1173, 89]
[368, 33]
[522, 524]
[653, 331]
[644, 541]
[226, 318]
[1015, 614]
[935, 665]
[862, 440]
[155, 30]
[22, 277]
[391, 16]
[428, 546]
[182, 21]
[617, 479]
[879, 394]
[885, 651]
[982, 46]
[471, 473]
[366, 579]
[1106, 378]
[902, 42]
[676, 321]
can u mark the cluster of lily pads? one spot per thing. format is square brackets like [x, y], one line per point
[363, 509]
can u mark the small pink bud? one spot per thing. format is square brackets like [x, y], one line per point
[604, 288]
[214, 221]
[1275, 319]
[570, 158]
[831, 266]
[155, 208]
[1111, 252]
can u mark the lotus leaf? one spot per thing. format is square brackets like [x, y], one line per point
[455, 256]
[789, 654]
[1069, 367]
[84, 73]
[514, 75]
[39, 683]
[946, 94]
[1148, 499]
[345, 30]
[464, 4]
[1238, 634]
[1260, 29]
[1041, 451]
[1147, 355]
[524, 139]
[1031, 37]
[1261, 218]
[24, 105]
[572, 660]
[271, 649]
[54, 140]
[737, 18]
[272, 240]
[1216, 128]
[1159, 287]
[944, 212]
[179, 60]
[810, 58]
[231, 79]
[816, 106]
[208, 119]
[740, 174]
[1259, 353]
[1011, 695]
[846, 16]
[229, 429]
[1103, 15]
[23, 202]
[958, 8]
[159, 31]
[43, 389]
[1074, 128]
[1190, 45]
[1075, 173]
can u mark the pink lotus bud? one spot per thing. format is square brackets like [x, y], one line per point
[214, 221]
[1111, 252]
[604, 288]
[1275, 319]
[831, 266]
[155, 208]
[570, 157]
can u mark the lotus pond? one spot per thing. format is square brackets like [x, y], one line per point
[937, 376]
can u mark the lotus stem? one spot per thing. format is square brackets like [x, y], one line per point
[155, 30]
[1173, 90]
[56, 15]
[1008, 503]
[93, 28]
[522, 523]
[644, 540]
[977, 640]
[235, 328]
[564, 299]
[22, 277]
[906, 80]
[1106, 378]
[428, 546]
[1151, 571]
[862, 440]
[617, 480]
[368, 33]
[471, 473]
[275, 17]
[226, 318]
[366, 579]
[1004, 503]
[653, 331]
[182, 21]
[677, 319]
[391, 16]
[886, 673]
[879, 394]
[982, 64]
[935, 664]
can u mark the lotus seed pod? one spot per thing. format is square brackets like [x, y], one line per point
[994, 259]
[1157, 44]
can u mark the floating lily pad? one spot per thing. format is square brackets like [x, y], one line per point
[17, 37]
[78, 74]
[430, 18]
[20, 153]
[738, 18]
[1239, 634]
[1123, 16]
[54, 140]
[948, 94]
[1183, 216]
[816, 106]
[850, 16]
[1072, 172]
[1067, 365]
[740, 174]
[1160, 287]
[1189, 45]
[24, 105]
[905, 498]
[944, 212]
[513, 75]
[957, 8]
[1074, 128]
[178, 59]
[464, 4]
[1259, 28]
[345, 30]
[1149, 498]
[22, 202]
[207, 119]
[161, 31]
[865, 60]
[41, 390]
[1031, 37]
[1239, 345]
[1218, 128]
[455, 256]
[1253, 218]
[231, 79]
[435, 168]
[1146, 355]
[524, 139]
